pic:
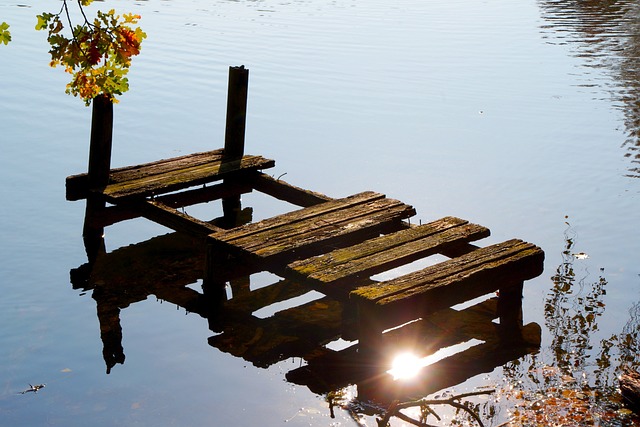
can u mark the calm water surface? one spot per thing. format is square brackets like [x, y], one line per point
[521, 116]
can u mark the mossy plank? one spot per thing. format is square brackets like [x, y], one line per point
[78, 185]
[388, 251]
[459, 279]
[296, 216]
[329, 225]
[319, 231]
[176, 179]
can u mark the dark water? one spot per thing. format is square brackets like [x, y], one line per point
[521, 117]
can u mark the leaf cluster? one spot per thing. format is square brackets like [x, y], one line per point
[5, 35]
[97, 53]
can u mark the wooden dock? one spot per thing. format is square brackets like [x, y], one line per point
[333, 246]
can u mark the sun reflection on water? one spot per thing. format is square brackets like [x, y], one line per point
[406, 365]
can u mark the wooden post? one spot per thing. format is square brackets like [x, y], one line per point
[236, 112]
[98, 173]
[101, 141]
[510, 312]
[370, 352]
[234, 132]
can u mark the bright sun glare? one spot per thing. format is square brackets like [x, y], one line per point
[406, 366]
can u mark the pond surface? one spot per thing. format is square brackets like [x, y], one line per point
[522, 117]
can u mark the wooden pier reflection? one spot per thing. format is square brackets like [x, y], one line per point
[168, 266]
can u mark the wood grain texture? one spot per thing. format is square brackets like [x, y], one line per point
[361, 261]
[459, 279]
[166, 175]
[316, 225]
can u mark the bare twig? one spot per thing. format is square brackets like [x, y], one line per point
[395, 407]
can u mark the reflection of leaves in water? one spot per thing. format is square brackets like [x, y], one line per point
[575, 383]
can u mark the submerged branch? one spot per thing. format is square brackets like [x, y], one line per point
[395, 408]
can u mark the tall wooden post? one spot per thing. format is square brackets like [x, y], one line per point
[236, 112]
[98, 172]
[101, 141]
[234, 131]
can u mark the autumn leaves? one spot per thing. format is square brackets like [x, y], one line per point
[97, 53]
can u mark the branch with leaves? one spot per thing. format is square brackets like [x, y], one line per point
[97, 53]
[426, 409]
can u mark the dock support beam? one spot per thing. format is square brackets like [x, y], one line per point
[510, 312]
[234, 131]
[98, 172]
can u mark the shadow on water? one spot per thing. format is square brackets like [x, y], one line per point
[168, 266]
[605, 35]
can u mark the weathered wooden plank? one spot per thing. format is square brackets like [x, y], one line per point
[78, 185]
[178, 221]
[116, 213]
[282, 190]
[459, 279]
[182, 178]
[295, 216]
[334, 222]
[332, 226]
[388, 251]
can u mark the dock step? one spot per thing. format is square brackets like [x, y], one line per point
[165, 176]
[341, 270]
[314, 229]
[457, 280]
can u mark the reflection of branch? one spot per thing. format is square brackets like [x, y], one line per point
[395, 407]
